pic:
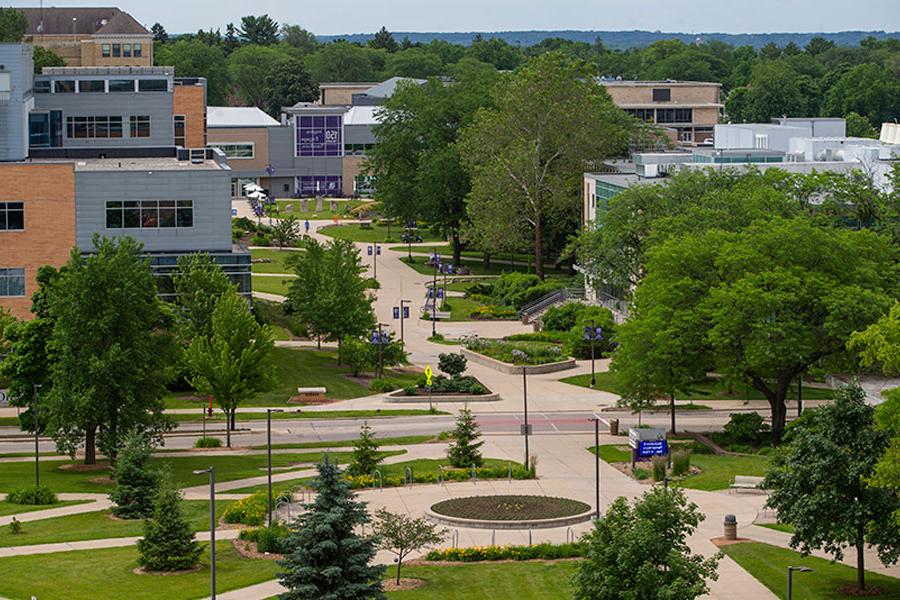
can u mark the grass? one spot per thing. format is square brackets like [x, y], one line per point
[405, 440]
[782, 527]
[306, 368]
[375, 233]
[462, 308]
[447, 250]
[475, 267]
[344, 206]
[8, 508]
[272, 285]
[529, 580]
[708, 390]
[99, 525]
[769, 565]
[219, 417]
[107, 574]
[277, 258]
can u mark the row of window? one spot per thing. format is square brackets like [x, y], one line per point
[12, 216]
[237, 149]
[12, 283]
[99, 86]
[149, 214]
[106, 127]
[662, 115]
[357, 149]
[122, 50]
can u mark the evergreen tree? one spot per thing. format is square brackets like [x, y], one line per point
[168, 543]
[365, 453]
[327, 559]
[136, 484]
[160, 36]
[463, 452]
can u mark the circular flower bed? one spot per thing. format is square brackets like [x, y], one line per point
[510, 508]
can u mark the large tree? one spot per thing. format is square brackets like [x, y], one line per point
[13, 24]
[249, 67]
[298, 37]
[193, 58]
[198, 284]
[111, 350]
[870, 90]
[820, 483]
[261, 30]
[763, 305]
[342, 61]
[527, 154]
[286, 83]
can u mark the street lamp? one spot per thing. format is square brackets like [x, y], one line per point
[791, 578]
[380, 338]
[596, 419]
[402, 313]
[436, 262]
[36, 423]
[526, 428]
[212, 527]
[593, 334]
[374, 252]
[269, 412]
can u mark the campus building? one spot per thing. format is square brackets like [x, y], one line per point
[115, 151]
[90, 36]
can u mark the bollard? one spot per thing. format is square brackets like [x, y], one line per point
[455, 538]
[493, 537]
[529, 538]
[509, 467]
[613, 427]
[730, 527]
[474, 474]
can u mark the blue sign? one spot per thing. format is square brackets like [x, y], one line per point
[650, 448]
[233, 212]
[378, 250]
[405, 312]
[369, 248]
[396, 313]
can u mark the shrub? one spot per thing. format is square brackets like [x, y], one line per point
[488, 312]
[357, 353]
[550, 337]
[544, 551]
[464, 451]
[260, 240]
[681, 462]
[410, 390]
[365, 453]
[35, 495]
[15, 526]
[640, 474]
[509, 288]
[268, 539]
[658, 467]
[251, 510]
[599, 317]
[208, 442]
[519, 353]
[561, 318]
[746, 428]
[136, 483]
[168, 543]
[382, 386]
[451, 363]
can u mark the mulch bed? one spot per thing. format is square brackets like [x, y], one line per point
[510, 507]
[82, 468]
[405, 584]
[143, 571]
[855, 591]
[248, 550]
[721, 541]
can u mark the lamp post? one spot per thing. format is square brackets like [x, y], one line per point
[526, 427]
[403, 309]
[596, 419]
[269, 412]
[36, 423]
[374, 251]
[436, 262]
[593, 334]
[800, 395]
[380, 338]
[791, 570]
[212, 527]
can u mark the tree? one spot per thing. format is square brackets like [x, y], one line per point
[463, 451]
[451, 363]
[230, 42]
[249, 67]
[365, 453]
[774, 91]
[383, 40]
[110, 350]
[527, 155]
[298, 37]
[262, 30]
[193, 58]
[44, 57]
[400, 535]
[286, 83]
[326, 558]
[413, 62]
[870, 90]
[168, 543]
[341, 61]
[284, 233]
[136, 485]
[859, 126]
[764, 304]
[819, 483]
[199, 282]
[640, 552]
[234, 361]
[13, 25]
[879, 344]
[160, 36]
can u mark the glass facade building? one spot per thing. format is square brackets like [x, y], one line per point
[319, 136]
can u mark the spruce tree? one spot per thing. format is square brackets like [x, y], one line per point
[463, 452]
[168, 543]
[326, 558]
[136, 484]
[365, 453]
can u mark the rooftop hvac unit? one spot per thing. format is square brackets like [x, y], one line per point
[890, 133]
[796, 157]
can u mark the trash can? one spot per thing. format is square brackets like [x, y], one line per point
[730, 527]
[613, 427]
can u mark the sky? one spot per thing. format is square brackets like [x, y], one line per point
[362, 16]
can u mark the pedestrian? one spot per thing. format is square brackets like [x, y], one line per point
[306, 226]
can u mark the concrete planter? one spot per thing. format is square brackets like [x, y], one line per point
[399, 397]
[525, 524]
[511, 369]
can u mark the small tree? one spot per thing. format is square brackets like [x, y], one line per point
[284, 232]
[400, 535]
[820, 484]
[13, 25]
[463, 452]
[365, 453]
[451, 363]
[168, 543]
[199, 283]
[357, 353]
[326, 557]
[136, 484]
[640, 552]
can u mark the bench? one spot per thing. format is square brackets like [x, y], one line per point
[309, 395]
[746, 482]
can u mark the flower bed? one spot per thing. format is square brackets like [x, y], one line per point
[510, 508]
[517, 353]
[544, 551]
[441, 384]
[447, 474]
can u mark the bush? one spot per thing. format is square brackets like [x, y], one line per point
[658, 467]
[168, 543]
[561, 318]
[746, 428]
[357, 353]
[15, 526]
[479, 289]
[35, 495]
[382, 386]
[451, 363]
[519, 353]
[599, 317]
[136, 483]
[260, 240]
[488, 312]
[208, 442]
[268, 539]
[550, 337]
[509, 288]
[544, 551]
[410, 390]
[681, 462]
[251, 510]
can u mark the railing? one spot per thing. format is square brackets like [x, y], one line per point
[546, 301]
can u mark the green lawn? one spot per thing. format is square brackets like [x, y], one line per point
[375, 233]
[108, 575]
[306, 368]
[447, 250]
[406, 440]
[769, 565]
[527, 580]
[8, 508]
[343, 208]
[709, 390]
[782, 527]
[99, 525]
[218, 417]
[462, 308]
[277, 258]
[475, 267]
[272, 285]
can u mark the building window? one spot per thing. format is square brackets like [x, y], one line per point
[121, 85]
[91, 85]
[117, 50]
[643, 114]
[364, 185]
[674, 115]
[93, 127]
[237, 150]
[138, 50]
[12, 283]
[12, 216]
[140, 126]
[126, 50]
[153, 85]
[319, 136]
[149, 214]
[41, 86]
[319, 185]
[64, 86]
[662, 95]
[686, 135]
[105, 50]
[180, 133]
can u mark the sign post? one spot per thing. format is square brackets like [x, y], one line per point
[647, 443]
[428, 374]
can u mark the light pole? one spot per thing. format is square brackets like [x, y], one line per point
[526, 426]
[374, 251]
[434, 292]
[800, 395]
[36, 423]
[791, 578]
[596, 420]
[212, 527]
[269, 412]
[380, 338]
[403, 312]
[594, 334]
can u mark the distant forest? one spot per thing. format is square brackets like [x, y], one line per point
[622, 40]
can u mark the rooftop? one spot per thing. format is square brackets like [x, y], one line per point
[134, 164]
[117, 71]
[361, 115]
[81, 21]
[238, 116]
[386, 89]
[667, 82]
